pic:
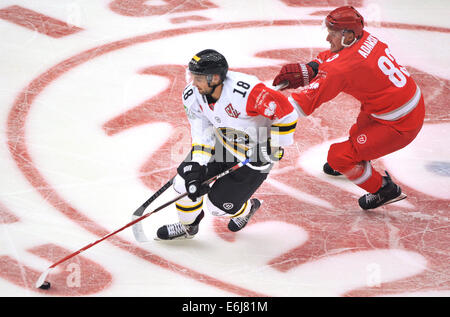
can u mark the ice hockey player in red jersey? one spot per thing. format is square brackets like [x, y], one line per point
[233, 116]
[392, 107]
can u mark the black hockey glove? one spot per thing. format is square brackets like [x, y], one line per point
[194, 175]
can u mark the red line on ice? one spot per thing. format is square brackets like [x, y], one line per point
[16, 137]
[38, 22]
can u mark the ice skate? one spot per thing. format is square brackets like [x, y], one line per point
[327, 169]
[179, 231]
[238, 223]
[387, 194]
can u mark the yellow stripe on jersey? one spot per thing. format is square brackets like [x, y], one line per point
[189, 208]
[202, 152]
[202, 149]
[203, 145]
[281, 132]
[285, 124]
[240, 212]
[283, 128]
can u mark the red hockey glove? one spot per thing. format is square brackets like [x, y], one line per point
[297, 75]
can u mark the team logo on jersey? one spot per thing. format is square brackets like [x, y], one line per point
[270, 109]
[314, 85]
[228, 206]
[233, 136]
[231, 111]
[332, 58]
[361, 139]
[234, 141]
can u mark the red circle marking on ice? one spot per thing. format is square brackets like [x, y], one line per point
[17, 146]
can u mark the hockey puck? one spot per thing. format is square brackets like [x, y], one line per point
[45, 285]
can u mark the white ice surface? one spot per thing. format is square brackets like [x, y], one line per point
[99, 174]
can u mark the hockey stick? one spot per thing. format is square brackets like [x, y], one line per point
[138, 231]
[141, 209]
[41, 283]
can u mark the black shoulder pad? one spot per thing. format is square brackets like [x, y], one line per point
[314, 66]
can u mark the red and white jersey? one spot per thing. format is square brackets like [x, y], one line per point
[247, 112]
[367, 71]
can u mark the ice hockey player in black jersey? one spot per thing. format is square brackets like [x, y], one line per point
[233, 116]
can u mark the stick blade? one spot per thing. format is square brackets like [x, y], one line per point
[138, 231]
[139, 212]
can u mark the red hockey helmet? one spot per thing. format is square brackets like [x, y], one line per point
[345, 18]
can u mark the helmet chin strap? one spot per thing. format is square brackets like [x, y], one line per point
[213, 89]
[347, 45]
[209, 80]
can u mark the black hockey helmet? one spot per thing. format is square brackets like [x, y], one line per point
[209, 62]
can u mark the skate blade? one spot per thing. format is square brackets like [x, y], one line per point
[401, 197]
[179, 238]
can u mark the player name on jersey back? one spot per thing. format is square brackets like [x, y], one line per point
[367, 46]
